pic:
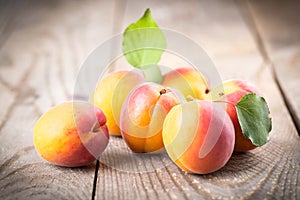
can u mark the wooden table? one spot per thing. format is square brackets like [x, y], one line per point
[44, 43]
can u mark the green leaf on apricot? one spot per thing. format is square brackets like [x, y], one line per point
[253, 115]
[143, 42]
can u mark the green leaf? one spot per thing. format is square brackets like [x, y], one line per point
[143, 42]
[253, 115]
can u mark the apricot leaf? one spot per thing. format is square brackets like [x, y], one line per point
[253, 115]
[143, 42]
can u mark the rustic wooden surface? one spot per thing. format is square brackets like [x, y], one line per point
[280, 41]
[43, 44]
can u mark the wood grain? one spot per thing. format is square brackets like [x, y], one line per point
[281, 39]
[42, 46]
[271, 171]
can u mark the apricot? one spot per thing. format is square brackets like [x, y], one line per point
[189, 81]
[110, 94]
[143, 114]
[198, 136]
[71, 134]
[232, 91]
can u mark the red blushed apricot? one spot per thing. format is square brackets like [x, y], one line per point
[142, 116]
[242, 144]
[71, 134]
[198, 136]
[232, 91]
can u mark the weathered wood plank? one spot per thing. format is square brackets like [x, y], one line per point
[278, 25]
[271, 171]
[44, 75]
[39, 60]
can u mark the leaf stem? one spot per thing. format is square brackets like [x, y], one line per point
[153, 74]
[224, 101]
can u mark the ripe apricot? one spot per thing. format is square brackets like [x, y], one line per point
[110, 94]
[71, 134]
[232, 91]
[143, 114]
[198, 136]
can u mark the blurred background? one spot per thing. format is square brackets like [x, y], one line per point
[44, 43]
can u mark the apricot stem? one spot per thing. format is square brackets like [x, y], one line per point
[163, 91]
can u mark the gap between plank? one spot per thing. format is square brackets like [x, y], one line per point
[95, 179]
[119, 13]
[247, 15]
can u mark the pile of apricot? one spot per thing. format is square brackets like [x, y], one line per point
[178, 116]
